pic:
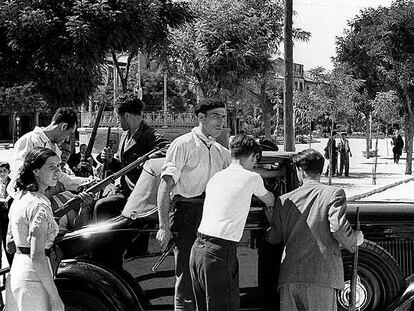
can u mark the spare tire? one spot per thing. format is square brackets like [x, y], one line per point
[381, 279]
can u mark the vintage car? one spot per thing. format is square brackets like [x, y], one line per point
[385, 263]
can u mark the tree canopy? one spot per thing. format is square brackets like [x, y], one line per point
[59, 46]
[379, 48]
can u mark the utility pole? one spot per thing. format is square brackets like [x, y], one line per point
[289, 129]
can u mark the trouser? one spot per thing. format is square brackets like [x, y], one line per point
[307, 297]
[397, 154]
[215, 274]
[185, 220]
[4, 223]
[344, 163]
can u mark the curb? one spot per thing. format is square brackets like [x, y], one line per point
[380, 189]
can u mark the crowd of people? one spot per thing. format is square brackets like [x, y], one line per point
[332, 150]
[203, 200]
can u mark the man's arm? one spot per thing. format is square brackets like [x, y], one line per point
[269, 200]
[164, 232]
[339, 225]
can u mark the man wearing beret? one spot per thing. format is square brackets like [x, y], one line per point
[190, 162]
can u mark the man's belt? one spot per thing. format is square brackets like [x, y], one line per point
[26, 250]
[198, 199]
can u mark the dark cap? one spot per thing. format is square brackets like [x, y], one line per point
[207, 104]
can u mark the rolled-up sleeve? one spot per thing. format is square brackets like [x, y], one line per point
[339, 225]
[174, 161]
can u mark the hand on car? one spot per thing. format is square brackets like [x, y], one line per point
[107, 155]
[163, 237]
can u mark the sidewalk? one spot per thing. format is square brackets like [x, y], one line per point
[359, 184]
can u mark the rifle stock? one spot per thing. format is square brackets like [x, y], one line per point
[75, 201]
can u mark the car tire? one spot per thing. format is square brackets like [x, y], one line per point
[76, 299]
[381, 279]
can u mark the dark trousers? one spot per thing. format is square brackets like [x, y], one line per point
[344, 163]
[185, 220]
[397, 153]
[4, 223]
[215, 274]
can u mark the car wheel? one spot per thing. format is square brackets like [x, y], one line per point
[79, 300]
[380, 278]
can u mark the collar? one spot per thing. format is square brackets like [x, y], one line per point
[207, 140]
[41, 134]
[140, 126]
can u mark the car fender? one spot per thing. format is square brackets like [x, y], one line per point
[406, 298]
[117, 289]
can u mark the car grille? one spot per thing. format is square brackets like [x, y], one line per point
[402, 251]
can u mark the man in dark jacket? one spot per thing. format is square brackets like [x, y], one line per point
[137, 140]
[398, 144]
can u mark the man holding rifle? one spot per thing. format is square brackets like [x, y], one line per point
[63, 123]
[190, 162]
[137, 140]
[311, 223]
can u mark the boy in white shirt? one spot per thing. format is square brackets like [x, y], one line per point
[213, 260]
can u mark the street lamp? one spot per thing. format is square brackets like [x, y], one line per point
[17, 127]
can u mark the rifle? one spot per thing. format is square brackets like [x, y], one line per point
[354, 279]
[88, 151]
[164, 255]
[75, 201]
[105, 166]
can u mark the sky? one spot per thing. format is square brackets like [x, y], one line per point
[325, 19]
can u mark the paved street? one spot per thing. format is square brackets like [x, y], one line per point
[360, 181]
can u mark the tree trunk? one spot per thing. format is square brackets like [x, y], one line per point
[367, 134]
[310, 134]
[289, 130]
[409, 132]
[266, 110]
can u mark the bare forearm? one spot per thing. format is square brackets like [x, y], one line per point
[164, 205]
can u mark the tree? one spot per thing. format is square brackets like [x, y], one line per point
[229, 50]
[386, 45]
[59, 46]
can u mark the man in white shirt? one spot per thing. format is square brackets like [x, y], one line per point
[190, 162]
[213, 261]
[63, 123]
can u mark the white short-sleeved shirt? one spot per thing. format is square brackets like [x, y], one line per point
[29, 141]
[227, 202]
[191, 163]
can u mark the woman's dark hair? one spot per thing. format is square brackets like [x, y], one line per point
[310, 160]
[35, 159]
[243, 146]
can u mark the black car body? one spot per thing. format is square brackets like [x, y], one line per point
[385, 259]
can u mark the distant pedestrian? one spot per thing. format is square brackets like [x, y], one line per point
[344, 154]
[331, 150]
[398, 144]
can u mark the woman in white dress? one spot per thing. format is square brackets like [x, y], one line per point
[30, 285]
